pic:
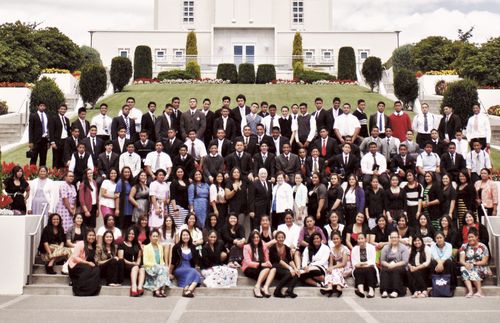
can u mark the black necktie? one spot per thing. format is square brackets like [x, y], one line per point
[345, 163]
[93, 145]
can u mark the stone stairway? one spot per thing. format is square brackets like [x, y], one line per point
[495, 130]
[43, 284]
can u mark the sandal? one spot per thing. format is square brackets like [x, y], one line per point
[257, 293]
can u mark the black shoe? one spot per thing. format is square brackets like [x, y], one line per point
[278, 294]
[50, 270]
[290, 294]
[357, 292]
[339, 293]
[266, 295]
[326, 292]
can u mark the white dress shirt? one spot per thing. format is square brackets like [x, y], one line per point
[267, 123]
[132, 160]
[72, 162]
[477, 161]
[103, 124]
[381, 127]
[462, 146]
[292, 234]
[419, 123]
[64, 132]
[429, 162]
[346, 124]
[44, 121]
[136, 115]
[367, 163]
[164, 163]
[199, 147]
[478, 126]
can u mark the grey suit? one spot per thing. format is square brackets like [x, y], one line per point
[289, 166]
[366, 142]
[196, 121]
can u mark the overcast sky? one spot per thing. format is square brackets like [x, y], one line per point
[415, 18]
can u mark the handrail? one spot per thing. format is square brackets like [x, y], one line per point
[489, 223]
[32, 241]
[495, 246]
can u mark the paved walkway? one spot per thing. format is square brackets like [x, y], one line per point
[65, 309]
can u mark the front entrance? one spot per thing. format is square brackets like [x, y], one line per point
[243, 53]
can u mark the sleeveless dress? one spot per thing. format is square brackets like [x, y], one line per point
[184, 273]
[337, 277]
[160, 191]
[142, 199]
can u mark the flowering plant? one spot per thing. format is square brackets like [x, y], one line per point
[181, 81]
[442, 72]
[5, 201]
[495, 175]
[55, 71]
[13, 84]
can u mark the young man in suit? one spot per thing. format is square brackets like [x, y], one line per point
[263, 109]
[134, 114]
[209, 120]
[172, 144]
[438, 146]
[450, 123]
[70, 144]
[249, 139]
[241, 159]
[390, 144]
[380, 119]
[271, 120]
[362, 118]
[226, 103]
[320, 115]
[224, 146]
[278, 141]
[260, 195]
[374, 137]
[39, 135]
[239, 113]
[185, 161]
[213, 163]
[265, 159]
[106, 161]
[124, 121]
[288, 163]
[327, 146]
[59, 130]
[452, 162]
[345, 163]
[285, 122]
[144, 146]
[253, 118]
[262, 137]
[148, 121]
[81, 123]
[226, 123]
[333, 113]
[402, 163]
[164, 123]
[93, 144]
[193, 118]
[315, 163]
[79, 162]
[121, 142]
[176, 114]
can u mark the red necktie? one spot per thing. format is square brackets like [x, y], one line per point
[323, 148]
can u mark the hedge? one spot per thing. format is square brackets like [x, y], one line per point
[175, 75]
[46, 91]
[246, 73]
[405, 86]
[310, 76]
[461, 95]
[347, 64]
[227, 72]
[265, 73]
[121, 72]
[143, 62]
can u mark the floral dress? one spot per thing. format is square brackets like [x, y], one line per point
[477, 253]
[161, 192]
[337, 277]
[66, 191]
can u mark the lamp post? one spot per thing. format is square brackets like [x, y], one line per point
[397, 35]
[91, 35]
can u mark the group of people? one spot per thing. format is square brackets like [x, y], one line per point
[309, 198]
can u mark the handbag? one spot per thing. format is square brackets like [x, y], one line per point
[441, 286]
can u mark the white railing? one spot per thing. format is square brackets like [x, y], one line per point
[493, 225]
[34, 239]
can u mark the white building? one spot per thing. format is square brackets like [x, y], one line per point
[235, 31]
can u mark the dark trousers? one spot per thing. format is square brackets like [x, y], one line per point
[253, 273]
[418, 280]
[422, 138]
[449, 269]
[113, 271]
[350, 212]
[392, 280]
[366, 276]
[58, 155]
[39, 149]
[89, 221]
[285, 279]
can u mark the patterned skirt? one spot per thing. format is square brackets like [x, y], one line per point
[156, 278]
[220, 277]
[156, 220]
[461, 210]
[337, 277]
[478, 273]
[179, 217]
[56, 251]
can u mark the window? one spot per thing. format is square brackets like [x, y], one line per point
[363, 54]
[124, 52]
[161, 54]
[308, 55]
[327, 54]
[178, 54]
[188, 12]
[298, 12]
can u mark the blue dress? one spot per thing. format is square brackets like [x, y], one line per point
[199, 201]
[184, 273]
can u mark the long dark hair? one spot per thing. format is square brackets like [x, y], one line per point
[164, 227]
[112, 246]
[86, 244]
[59, 227]
[311, 247]
[223, 184]
[181, 243]
[13, 173]
[124, 181]
[85, 180]
[195, 185]
[137, 185]
[259, 248]
[135, 243]
[420, 250]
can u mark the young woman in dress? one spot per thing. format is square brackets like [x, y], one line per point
[107, 194]
[333, 225]
[365, 270]
[179, 206]
[335, 194]
[131, 254]
[299, 199]
[18, 189]
[314, 261]
[236, 195]
[395, 200]
[142, 230]
[218, 200]
[353, 200]
[139, 196]
[89, 198]
[466, 197]
[198, 196]
[393, 260]
[111, 266]
[305, 235]
[413, 191]
[84, 274]
[375, 202]
[214, 257]
[449, 196]
[256, 265]
[233, 235]
[418, 268]
[66, 206]
[317, 199]
[487, 194]
[108, 225]
[431, 205]
[185, 259]
[474, 257]
[157, 277]
[339, 266]
[352, 230]
[52, 242]
[192, 226]
[123, 207]
[168, 238]
[287, 273]
[42, 194]
[159, 194]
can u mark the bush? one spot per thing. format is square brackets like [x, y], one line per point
[310, 76]
[57, 50]
[143, 62]
[265, 73]
[4, 108]
[461, 95]
[405, 86]
[191, 46]
[175, 75]
[347, 64]
[246, 74]
[298, 68]
[93, 83]
[372, 71]
[297, 50]
[227, 72]
[440, 87]
[193, 69]
[434, 53]
[46, 91]
[402, 57]
[121, 72]
[90, 56]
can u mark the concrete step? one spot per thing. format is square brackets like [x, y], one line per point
[495, 135]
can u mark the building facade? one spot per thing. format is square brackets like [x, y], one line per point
[237, 31]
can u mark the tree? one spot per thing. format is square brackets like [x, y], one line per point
[246, 74]
[93, 83]
[143, 62]
[297, 50]
[406, 86]
[347, 64]
[191, 46]
[372, 71]
[57, 50]
[461, 95]
[90, 56]
[121, 72]
[465, 36]
[434, 53]
[481, 64]
[265, 73]
[46, 91]
[402, 57]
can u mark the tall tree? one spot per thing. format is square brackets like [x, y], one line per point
[93, 83]
[191, 46]
[297, 50]
[143, 62]
[57, 50]
[372, 71]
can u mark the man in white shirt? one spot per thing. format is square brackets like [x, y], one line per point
[461, 143]
[196, 147]
[478, 127]
[423, 124]
[130, 159]
[81, 155]
[428, 161]
[374, 164]
[347, 124]
[476, 160]
[156, 160]
[272, 120]
[134, 114]
[103, 123]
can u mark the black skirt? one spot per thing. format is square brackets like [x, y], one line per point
[86, 280]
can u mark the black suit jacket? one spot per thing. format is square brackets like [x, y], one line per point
[340, 167]
[447, 166]
[373, 122]
[332, 148]
[269, 164]
[231, 128]
[56, 129]
[397, 162]
[439, 148]
[245, 163]
[251, 147]
[120, 122]
[148, 124]
[98, 149]
[286, 127]
[35, 128]
[79, 125]
[322, 120]
[227, 146]
[272, 147]
[209, 129]
[116, 146]
[69, 148]
[454, 124]
[176, 122]
[187, 164]
[142, 150]
[172, 149]
[104, 165]
[236, 116]
[212, 165]
[162, 125]
[259, 198]
[309, 166]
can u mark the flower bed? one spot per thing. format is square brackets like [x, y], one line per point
[55, 71]
[30, 171]
[180, 81]
[16, 84]
[320, 82]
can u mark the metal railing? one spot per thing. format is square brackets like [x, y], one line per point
[494, 232]
[32, 236]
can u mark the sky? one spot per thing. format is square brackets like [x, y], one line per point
[416, 19]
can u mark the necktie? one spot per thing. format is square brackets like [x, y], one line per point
[476, 123]
[239, 155]
[388, 141]
[93, 145]
[81, 157]
[315, 165]
[323, 148]
[63, 122]
[453, 159]
[127, 125]
[264, 185]
[426, 123]
[294, 118]
[109, 157]
[43, 123]
[404, 160]
[264, 158]
[76, 142]
[153, 117]
[272, 124]
[192, 113]
[287, 158]
[346, 160]
[104, 125]
[380, 121]
[246, 141]
[84, 127]
[193, 150]
[375, 166]
[260, 139]
[157, 164]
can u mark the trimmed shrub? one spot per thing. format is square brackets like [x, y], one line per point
[461, 95]
[143, 62]
[298, 68]
[347, 64]
[246, 73]
[402, 57]
[227, 71]
[310, 76]
[121, 72]
[265, 73]
[46, 91]
[297, 50]
[193, 68]
[406, 86]
[372, 71]
[191, 46]
[90, 55]
[175, 75]
[93, 82]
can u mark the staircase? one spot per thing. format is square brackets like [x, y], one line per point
[43, 284]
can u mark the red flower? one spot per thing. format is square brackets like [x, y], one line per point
[5, 201]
